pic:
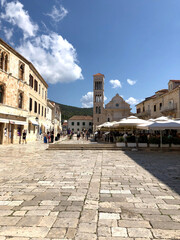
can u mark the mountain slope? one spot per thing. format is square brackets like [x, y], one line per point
[69, 111]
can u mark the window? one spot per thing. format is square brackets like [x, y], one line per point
[72, 123]
[160, 106]
[99, 110]
[2, 61]
[138, 110]
[20, 100]
[39, 89]
[31, 80]
[6, 63]
[1, 93]
[96, 109]
[72, 129]
[154, 108]
[90, 123]
[35, 85]
[83, 123]
[42, 111]
[21, 71]
[117, 104]
[143, 109]
[108, 120]
[77, 123]
[42, 92]
[35, 107]
[39, 109]
[98, 85]
[30, 104]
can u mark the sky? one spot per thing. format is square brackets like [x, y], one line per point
[134, 43]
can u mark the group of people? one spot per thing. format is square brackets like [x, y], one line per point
[49, 137]
[84, 134]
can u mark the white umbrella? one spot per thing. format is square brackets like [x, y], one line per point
[131, 121]
[160, 126]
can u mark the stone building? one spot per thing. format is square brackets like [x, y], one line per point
[79, 123]
[56, 118]
[115, 110]
[165, 102]
[23, 97]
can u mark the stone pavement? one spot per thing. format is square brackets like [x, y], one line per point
[88, 195]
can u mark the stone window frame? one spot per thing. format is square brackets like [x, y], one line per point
[4, 92]
[35, 107]
[35, 85]
[4, 60]
[20, 104]
[21, 70]
[30, 104]
[31, 80]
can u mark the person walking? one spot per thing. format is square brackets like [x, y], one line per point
[24, 137]
[52, 137]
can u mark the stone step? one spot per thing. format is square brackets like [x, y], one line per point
[81, 146]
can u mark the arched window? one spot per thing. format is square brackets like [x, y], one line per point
[99, 110]
[6, 63]
[20, 100]
[1, 93]
[96, 109]
[2, 60]
[21, 71]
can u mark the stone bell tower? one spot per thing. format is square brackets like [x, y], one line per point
[98, 99]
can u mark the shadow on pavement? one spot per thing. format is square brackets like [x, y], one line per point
[163, 165]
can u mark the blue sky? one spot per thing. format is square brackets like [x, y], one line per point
[134, 43]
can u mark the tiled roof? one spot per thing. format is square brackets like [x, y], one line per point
[162, 90]
[175, 81]
[81, 118]
[98, 74]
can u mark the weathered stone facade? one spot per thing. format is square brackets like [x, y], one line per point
[23, 97]
[165, 102]
[115, 110]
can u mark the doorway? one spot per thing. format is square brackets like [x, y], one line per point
[1, 132]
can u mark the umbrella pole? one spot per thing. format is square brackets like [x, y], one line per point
[161, 138]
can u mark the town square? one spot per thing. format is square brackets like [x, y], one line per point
[89, 120]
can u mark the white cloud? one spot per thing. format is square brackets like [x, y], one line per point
[87, 100]
[131, 82]
[17, 16]
[132, 101]
[57, 14]
[115, 83]
[8, 33]
[3, 2]
[54, 57]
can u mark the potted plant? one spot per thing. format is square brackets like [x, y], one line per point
[154, 142]
[120, 142]
[142, 141]
[131, 141]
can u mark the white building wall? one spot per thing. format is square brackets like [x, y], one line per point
[79, 127]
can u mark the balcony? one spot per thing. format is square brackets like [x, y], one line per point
[144, 114]
[169, 109]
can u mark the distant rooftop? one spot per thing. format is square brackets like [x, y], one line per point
[98, 74]
[75, 117]
[175, 81]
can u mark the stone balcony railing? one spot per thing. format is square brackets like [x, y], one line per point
[144, 114]
[170, 108]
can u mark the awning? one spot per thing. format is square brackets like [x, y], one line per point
[107, 133]
[34, 122]
[3, 120]
[17, 122]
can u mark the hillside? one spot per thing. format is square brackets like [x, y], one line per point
[69, 111]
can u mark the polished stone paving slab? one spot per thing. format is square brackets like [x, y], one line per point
[88, 195]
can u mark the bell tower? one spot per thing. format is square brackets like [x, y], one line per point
[98, 99]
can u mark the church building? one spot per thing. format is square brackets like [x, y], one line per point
[115, 110]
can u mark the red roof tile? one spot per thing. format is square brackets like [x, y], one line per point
[176, 81]
[98, 74]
